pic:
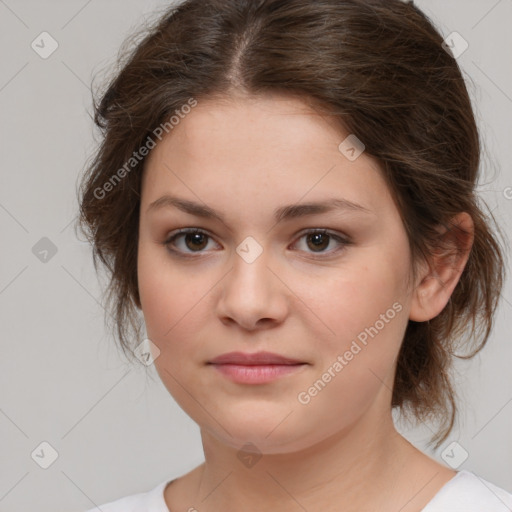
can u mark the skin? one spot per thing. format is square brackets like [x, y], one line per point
[245, 157]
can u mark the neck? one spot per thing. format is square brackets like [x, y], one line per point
[355, 467]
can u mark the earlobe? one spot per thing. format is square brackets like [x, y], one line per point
[435, 286]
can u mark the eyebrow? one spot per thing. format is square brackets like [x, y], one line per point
[287, 212]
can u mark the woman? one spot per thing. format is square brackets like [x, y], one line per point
[286, 192]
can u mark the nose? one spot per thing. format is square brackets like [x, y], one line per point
[252, 295]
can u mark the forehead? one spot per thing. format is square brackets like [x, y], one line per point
[267, 122]
[254, 147]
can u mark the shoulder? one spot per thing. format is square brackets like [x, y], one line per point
[151, 501]
[468, 492]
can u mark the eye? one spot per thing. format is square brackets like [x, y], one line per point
[195, 240]
[319, 239]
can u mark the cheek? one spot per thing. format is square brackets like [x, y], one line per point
[356, 362]
[177, 305]
[166, 294]
[363, 322]
[350, 299]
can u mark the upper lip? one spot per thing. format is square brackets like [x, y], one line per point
[256, 358]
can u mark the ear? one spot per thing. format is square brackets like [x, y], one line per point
[436, 283]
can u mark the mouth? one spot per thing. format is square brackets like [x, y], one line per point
[256, 358]
[256, 368]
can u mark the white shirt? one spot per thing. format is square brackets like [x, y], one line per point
[465, 492]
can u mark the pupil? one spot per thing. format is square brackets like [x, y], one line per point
[196, 238]
[316, 238]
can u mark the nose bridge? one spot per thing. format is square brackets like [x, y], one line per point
[250, 250]
[250, 266]
[250, 292]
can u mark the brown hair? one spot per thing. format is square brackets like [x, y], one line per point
[378, 69]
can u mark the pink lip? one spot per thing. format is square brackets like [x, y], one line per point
[256, 374]
[256, 358]
[256, 368]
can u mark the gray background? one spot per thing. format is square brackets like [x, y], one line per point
[116, 430]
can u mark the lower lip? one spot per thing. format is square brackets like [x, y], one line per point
[256, 374]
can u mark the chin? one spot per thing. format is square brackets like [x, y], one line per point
[263, 434]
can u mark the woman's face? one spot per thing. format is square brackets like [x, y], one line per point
[251, 281]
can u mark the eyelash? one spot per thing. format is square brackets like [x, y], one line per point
[343, 240]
